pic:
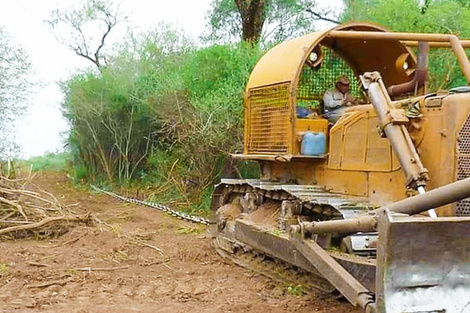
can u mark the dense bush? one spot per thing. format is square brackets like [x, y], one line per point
[162, 113]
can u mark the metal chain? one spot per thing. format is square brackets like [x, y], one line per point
[182, 215]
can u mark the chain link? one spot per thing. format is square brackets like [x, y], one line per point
[167, 210]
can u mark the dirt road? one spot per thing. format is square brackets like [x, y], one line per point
[135, 260]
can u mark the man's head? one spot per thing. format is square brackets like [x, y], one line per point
[342, 84]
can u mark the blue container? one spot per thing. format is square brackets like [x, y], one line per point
[302, 112]
[313, 144]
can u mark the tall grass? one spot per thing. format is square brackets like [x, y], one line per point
[58, 162]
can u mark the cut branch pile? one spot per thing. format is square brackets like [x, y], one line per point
[26, 210]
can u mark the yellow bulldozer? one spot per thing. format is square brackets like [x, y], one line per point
[375, 203]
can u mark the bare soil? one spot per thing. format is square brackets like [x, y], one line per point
[136, 259]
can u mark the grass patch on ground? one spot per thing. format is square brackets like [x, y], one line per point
[3, 267]
[295, 290]
[50, 162]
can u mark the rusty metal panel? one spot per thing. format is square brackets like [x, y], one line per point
[325, 266]
[270, 120]
[362, 270]
[423, 264]
[337, 275]
[248, 232]
[463, 163]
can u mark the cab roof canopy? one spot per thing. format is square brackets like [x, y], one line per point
[284, 62]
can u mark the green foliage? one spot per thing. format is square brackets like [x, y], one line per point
[437, 16]
[283, 19]
[4, 267]
[50, 162]
[162, 113]
[296, 290]
[249, 169]
[224, 21]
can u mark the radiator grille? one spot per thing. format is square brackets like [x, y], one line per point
[463, 161]
[268, 120]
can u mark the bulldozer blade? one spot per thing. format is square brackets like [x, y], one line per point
[423, 264]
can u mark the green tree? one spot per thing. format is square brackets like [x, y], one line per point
[116, 116]
[163, 113]
[255, 20]
[15, 84]
[430, 16]
[85, 29]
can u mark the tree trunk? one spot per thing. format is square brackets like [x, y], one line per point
[253, 16]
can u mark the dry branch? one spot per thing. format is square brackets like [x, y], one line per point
[43, 222]
[38, 264]
[16, 205]
[142, 243]
[49, 283]
[27, 210]
[98, 269]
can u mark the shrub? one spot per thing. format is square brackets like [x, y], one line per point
[161, 115]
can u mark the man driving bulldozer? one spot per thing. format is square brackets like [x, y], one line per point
[336, 100]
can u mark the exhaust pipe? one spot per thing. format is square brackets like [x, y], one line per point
[421, 73]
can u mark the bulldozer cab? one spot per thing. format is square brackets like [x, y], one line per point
[283, 103]
[283, 97]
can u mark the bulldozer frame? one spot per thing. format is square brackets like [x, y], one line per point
[403, 249]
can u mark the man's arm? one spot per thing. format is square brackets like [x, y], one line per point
[350, 100]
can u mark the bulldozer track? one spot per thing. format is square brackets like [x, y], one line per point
[244, 241]
[328, 205]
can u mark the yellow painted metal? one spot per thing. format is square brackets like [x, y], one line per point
[278, 158]
[355, 143]
[319, 125]
[385, 188]
[274, 82]
[354, 156]
[345, 182]
[379, 175]
[455, 43]
[359, 160]
[464, 43]
[284, 62]
[281, 63]
[269, 123]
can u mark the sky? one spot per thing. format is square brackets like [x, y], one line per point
[43, 129]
